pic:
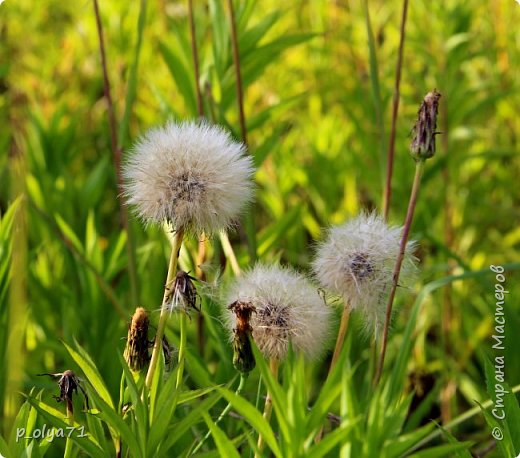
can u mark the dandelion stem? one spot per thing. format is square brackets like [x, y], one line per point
[240, 388]
[172, 270]
[268, 407]
[395, 108]
[343, 325]
[419, 167]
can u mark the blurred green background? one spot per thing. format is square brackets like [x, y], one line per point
[318, 102]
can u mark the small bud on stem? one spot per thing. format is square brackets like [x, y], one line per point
[424, 130]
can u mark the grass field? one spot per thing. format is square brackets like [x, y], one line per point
[311, 88]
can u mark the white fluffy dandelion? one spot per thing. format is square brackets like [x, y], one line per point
[356, 261]
[191, 174]
[289, 311]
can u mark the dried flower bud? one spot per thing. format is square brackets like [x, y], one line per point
[289, 311]
[69, 384]
[424, 130]
[136, 351]
[243, 358]
[183, 294]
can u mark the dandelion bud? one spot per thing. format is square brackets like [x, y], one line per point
[356, 261]
[136, 351]
[289, 311]
[243, 359]
[191, 174]
[424, 130]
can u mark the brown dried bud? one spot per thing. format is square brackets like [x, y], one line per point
[69, 384]
[243, 358]
[136, 351]
[424, 130]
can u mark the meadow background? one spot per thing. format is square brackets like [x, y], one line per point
[318, 81]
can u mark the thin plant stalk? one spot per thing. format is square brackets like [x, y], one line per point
[238, 73]
[419, 167]
[201, 253]
[116, 155]
[17, 316]
[229, 253]
[240, 388]
[450, 321]
[395, 108]
[182, 349]
[268, 406]
[195, 54]
[249, 219]
[340, 340]
[343, 326]
[477, 410]
[70, 421]
[157, 347]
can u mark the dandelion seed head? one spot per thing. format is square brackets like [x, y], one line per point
[356, 261]
[191, 174]
[288, 311]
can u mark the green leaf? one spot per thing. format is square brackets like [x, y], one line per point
[131, 90]
[276, 231]
[220, 43]
[188, 396]
[182, 76]
[140, 408]
[399, 446]
[224, 445]
[253, 417]
[165, 407]
[442, 451]
[179, 429]
[331, 440]
[57, 419]
[117, 426]
[4, 448]
[88, 367]
[69, 233]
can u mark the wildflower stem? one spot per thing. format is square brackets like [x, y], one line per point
[182, 349]
[395, 108]
[240, 388]
[249, 220]
[70, 421]
[116, 155]
[172, 270]
[268, 407]
[343, 325]
[419, 167]
[195, 54]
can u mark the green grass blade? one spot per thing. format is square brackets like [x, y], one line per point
[253, 417]
[224, 445]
